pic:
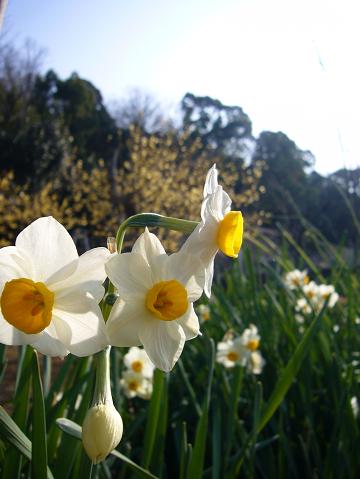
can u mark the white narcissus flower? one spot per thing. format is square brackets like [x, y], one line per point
[139, 362]
[256, 362]
[135, 384]
[242, 350]
[50, 295]
[155, 304]
[296, 279]
[219, 229]
[231, 352]
[327, 291]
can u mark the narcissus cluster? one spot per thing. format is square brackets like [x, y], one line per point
[49, 299]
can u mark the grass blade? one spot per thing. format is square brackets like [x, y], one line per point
[39, 446]
[290, 372]
[10, 432]
[198, 454]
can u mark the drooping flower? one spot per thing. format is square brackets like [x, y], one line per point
[139, 362]
[296, 279]
[155, 304]
[135, 384]
[219, 229]
[50, 295]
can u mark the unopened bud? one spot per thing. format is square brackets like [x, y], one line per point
[102, 431]
[103, 427]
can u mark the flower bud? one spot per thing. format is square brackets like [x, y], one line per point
[102, 431]
[103, 427]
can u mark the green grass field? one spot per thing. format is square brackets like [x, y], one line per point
[293, 420]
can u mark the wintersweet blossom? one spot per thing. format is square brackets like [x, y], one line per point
[139, 362]
[296, 279]
[135, 384]
[155, 304]
[50, 295]
[219, 229]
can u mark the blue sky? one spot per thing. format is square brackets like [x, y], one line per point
[261, 55]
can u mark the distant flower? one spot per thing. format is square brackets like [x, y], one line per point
[311, 291]
[255, 362]
[203, 312]
[156, 295]
[327, 291]
[220, 228]
[50, 295]
[296, 279]
[135, 384]
[242, 350]
[139, 362]
[354, 406]
[231, 352]
[302, 306]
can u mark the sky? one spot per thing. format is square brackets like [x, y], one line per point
[292, 65]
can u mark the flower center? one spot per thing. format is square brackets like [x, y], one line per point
[230, 234]
[232, 356]
[253, 344]
[137, 366]
[167, 300]
[27, 305]
[133, 385]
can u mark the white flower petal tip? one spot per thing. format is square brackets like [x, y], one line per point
[48, 295]
[211, 181]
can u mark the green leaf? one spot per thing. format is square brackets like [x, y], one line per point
[198, 453]
[290, 372]
[74, 430]
[151, 429]
[21, 405]
[10, 432]
[39, 446]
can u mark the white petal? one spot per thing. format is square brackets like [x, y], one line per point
[211, 181]
[12, 336]
[47, 342]
[189, 270]
[209, 275]
[125, 322]
[190, 323]
[13, 265]
[217, 204]
[164, 342]
[148, 245]
[87, 328]
[131, 274]
[88, 276]
[49, 246]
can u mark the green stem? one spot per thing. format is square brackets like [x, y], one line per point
[153, 220]
[102, 392]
